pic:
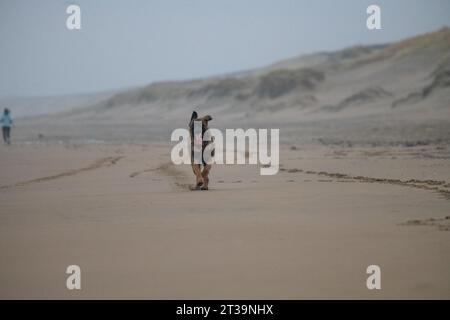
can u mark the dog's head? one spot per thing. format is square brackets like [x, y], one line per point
[204, 120]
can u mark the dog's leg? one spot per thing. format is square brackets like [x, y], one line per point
[198, 174]
[205, 175]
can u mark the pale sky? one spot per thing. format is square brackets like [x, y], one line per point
[125, 43]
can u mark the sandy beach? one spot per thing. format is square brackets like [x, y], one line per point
[126, 216]
[88, 180]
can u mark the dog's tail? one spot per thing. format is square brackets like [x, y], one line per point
[194, 115]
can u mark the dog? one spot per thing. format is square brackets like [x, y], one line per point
[202, 176]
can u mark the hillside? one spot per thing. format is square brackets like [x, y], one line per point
[389, 93]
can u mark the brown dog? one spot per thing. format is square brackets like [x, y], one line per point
[202, 177]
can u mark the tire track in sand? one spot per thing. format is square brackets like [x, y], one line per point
[100, 163]
[137, 173]
[440, 187]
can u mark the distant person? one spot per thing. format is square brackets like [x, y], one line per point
[7, 123]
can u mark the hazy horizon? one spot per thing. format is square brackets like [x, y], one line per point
[123, 45]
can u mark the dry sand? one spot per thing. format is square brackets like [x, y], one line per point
[125, 215]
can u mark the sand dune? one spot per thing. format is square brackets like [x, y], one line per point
[396, 68]
[395, 90]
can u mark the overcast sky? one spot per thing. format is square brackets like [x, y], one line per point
[125, 43]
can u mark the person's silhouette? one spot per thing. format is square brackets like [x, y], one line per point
[7, 123]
